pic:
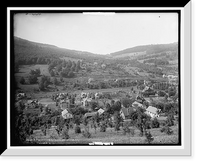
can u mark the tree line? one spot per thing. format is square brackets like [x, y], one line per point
[64, 68]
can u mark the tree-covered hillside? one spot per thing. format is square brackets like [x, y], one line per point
[27, 52]
[150, 49]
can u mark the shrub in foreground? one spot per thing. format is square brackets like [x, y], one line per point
[155, 123]
[167, 130]
[149, 137]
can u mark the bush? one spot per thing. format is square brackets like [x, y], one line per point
[167, 130]
[93, 105]
[44, 82]
[117, 120]
[44, 130]
[149, 137]
[55, 81]
[61, 79]
[126, 129]
[32, 79]
[22, 80]
[172, 93]
[23, 129]
[126, 102]
[52, 73]
[155, 123]
[65, 134]
[86, 133]
[103, 127]
[170, 120]
[71, 74]
[161, 93]
[77, 129]
[132, 131]
[35, 72]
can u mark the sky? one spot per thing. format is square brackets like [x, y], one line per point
[97, 33]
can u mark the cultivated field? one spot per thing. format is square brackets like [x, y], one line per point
[109, 136]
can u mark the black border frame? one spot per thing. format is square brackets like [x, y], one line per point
[136, 4]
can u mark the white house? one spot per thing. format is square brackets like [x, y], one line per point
[103, 66]
[152, 111]
[66, 114]
[83, 95]
[101, 111]
[95, 63]
[85, 101]
[90, 80]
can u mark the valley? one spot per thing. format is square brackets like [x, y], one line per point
[103, 87]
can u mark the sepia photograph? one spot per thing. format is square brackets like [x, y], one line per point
[95, 78]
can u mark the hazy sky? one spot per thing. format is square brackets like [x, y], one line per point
[98, 33]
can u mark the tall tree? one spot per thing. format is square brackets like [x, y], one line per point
[55, 81]
[52, 73]
[44, 82]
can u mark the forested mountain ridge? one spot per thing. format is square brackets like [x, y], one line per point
[24, 49]
[28, 52]
[147, 49]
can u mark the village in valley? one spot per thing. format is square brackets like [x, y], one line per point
[95, 79]
[76, 98]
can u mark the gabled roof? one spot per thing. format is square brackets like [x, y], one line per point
[152, 109]
[147, 89]
[125, 111]
[51, 106]
[90, 114]
[66, 114]
[135, 103]
[100, 111]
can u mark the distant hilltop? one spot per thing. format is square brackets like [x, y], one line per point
[27, 49]
[145, 49]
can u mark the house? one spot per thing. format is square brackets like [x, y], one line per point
[125, 112]
[83, 95]
[152, 111]
[137, 104]
[101, 111]
[95, 63]
[90, 114]
[66, 114]
[85, 102]
[148, 91]
[90, 80]
[140, 99]
[103, 66]
[96, 95]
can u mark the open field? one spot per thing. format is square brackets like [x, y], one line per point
[25, 69]
[109, 136]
